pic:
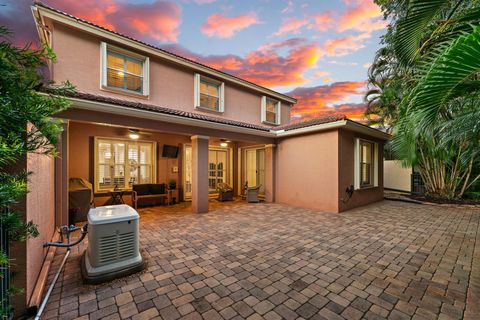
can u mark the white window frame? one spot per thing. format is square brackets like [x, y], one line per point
[278, 115]
[357, 170]
[154, 160]
[104, 48]
[221, 93]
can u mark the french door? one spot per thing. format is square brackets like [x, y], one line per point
[255, 168]
[219, 169]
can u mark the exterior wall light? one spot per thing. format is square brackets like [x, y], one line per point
[133, 134]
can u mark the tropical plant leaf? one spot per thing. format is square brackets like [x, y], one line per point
[451, 68]
[411, 28]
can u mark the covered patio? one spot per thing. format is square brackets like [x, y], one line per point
[114, 152]
[271, 261]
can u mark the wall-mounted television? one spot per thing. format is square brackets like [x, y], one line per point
[169, 151]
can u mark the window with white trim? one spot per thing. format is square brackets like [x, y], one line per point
[124, 71]
[366, 164]
[122, 163]
[271, 111]
[209, 93]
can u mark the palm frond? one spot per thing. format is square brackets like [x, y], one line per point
[411, 28]
[451, 68]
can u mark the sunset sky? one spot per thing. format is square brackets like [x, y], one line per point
[317, 51]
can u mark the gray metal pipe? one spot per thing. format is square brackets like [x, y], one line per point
[52, 286]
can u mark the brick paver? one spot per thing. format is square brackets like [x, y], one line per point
[270, 261]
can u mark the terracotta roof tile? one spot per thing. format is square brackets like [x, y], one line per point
[197, 116]
[163, 110]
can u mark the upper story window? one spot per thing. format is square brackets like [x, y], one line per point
[366, 164]
[209, 94]
[271, 111]
[124, 71]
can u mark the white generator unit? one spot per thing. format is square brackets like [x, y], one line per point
[113, 244]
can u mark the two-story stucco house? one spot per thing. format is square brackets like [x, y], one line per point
[136, 103]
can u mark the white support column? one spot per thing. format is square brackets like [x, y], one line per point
[270, 173]
[199, 174]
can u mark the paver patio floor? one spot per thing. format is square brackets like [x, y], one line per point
[252, 261]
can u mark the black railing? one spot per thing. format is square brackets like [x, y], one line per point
[5, 276]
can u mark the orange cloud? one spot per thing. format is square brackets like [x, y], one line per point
[322, 21]
[264, 66]
[227, 62]
[345, 45]
[327, 100]
[271, 70]
[364, 16]
[158, 21]
[320, 73]
[291, 25]
[223, 26]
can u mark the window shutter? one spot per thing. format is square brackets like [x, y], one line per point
[375, 165]
[279, 112]
[146, 77]
[196, 89]
[356, 158]
[103, 64]
[263, 110]
[221, 106]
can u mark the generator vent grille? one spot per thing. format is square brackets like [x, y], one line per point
[117, 247]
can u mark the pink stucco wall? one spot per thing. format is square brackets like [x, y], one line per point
[314, 170]
[346, 174]
[40, 210]
[307, 171]
[171, 85]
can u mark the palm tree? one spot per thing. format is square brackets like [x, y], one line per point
[436, 46]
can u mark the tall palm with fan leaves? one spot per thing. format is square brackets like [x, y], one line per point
[433, 49]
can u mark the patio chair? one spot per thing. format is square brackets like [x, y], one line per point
[225, 192]
[251, 193]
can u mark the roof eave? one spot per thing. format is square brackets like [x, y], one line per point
[152, 115]
[311, 129]
[346, 124]
[372, 132]
[86, 27]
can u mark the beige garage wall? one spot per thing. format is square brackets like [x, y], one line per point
[397, 177]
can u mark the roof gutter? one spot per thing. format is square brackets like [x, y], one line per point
[76, 23]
